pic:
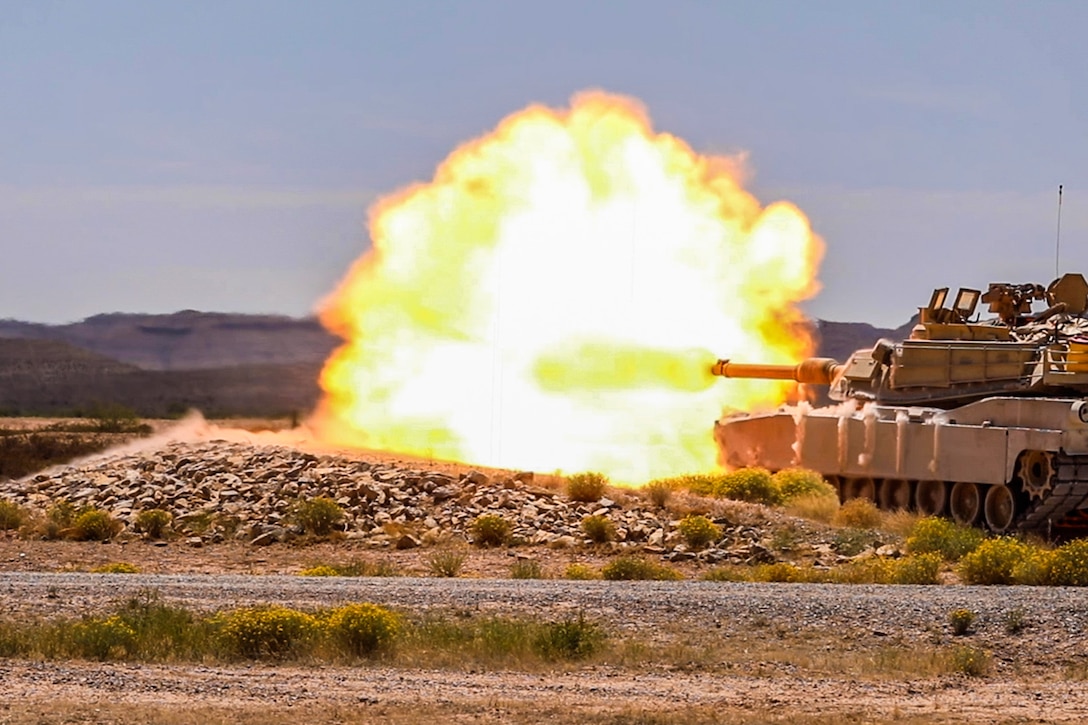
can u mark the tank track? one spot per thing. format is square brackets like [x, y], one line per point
[1069, 493]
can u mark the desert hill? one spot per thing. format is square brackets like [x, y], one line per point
[189, 340]
[222, 364]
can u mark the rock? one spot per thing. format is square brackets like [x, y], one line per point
[476, 478]
[195, 541]
[264, 539]
[406, 541]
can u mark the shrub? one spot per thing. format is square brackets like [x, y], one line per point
[94, 525]
[580, 572]
[526, 569]
[873, 570]
[858, 513]
[1069, 564]
[851, 542]
[320, 570]
[949, 539]
[598, 529]
[58, 519]
[490, 530]
[355, 567]
[658, 492]
[782, 572]
[117, 567]
[1035, 568]
[265, 632]
[961, 621]
[793, 483]
[1016, 620]
[698, 531]
[571, 639]
[916, 569]
[363, 630]
[969, 661]
[153, 522]
[586, 487]
[726, 574]
[445, 564]
[753, 485]
[625, 568]
[699, 483]
[101, 639]
[994, 561]
[317, 516]
[814, 506]
[11, 515]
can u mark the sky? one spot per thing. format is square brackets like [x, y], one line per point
[221, 155]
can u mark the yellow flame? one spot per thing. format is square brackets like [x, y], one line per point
[550, 299]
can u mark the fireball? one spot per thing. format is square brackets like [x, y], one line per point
[554, 297]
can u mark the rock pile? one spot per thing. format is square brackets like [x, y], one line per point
[216, 490]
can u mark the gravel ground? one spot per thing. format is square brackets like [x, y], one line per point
[1030, 681]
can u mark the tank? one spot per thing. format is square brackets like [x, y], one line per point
[981, 420]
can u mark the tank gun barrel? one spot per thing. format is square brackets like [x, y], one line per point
[812, 371]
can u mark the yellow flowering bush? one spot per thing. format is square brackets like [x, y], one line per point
[1069, 564]
[260, 632]
[363, 630]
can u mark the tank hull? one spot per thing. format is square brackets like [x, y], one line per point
[1024, 459]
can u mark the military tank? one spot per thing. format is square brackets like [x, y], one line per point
[981, 420]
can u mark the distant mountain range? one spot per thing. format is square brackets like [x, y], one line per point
[223, 364]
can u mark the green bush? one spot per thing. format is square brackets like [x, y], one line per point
[754, 485]
[598, 529]
[1016, 620]
[969, 661]
[317, 516]
[949, 539]
[699, 531]
[586, 487]
[153, 522]
[961, 621]
[95, 525]
[446, 564]
[11, 515]
[658, 492]
[490, 530]
[526, 569]
[796, 482]
[363, 630]
[857, 513]
[571, 639]
[851, 542]
[995, 561]
[266, 632]
[580, 572]
[625, 568]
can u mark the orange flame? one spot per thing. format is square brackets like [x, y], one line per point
[550, 300]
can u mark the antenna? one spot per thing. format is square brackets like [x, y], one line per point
[1058, 242]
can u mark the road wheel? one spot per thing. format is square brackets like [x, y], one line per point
[966, 503]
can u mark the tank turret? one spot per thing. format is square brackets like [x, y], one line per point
[982, 419]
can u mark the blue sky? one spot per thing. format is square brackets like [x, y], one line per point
[221, 155]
